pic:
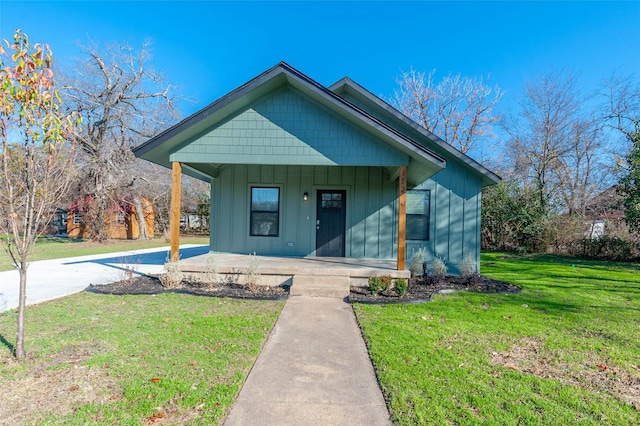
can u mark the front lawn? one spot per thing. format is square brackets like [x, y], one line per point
[566, 350]
[134, 360]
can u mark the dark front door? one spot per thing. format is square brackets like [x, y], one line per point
[330, 223]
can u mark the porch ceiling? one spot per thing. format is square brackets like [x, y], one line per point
[206, 172]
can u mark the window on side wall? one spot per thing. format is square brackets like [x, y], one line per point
[77, 218]
[418, 206]
[265, 212]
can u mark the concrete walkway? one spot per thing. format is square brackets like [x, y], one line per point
[313, 370]
[50, 279]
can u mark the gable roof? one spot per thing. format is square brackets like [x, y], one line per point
[396, 119]
[423, 161]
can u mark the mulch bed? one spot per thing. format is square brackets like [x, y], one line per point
[149, 284]
[423, 289]
[419, 289]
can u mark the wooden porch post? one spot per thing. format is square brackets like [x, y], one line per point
[174, 222]
[402, 216]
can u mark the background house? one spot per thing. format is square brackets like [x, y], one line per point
[299, 169]
[604, 215]
[58, 223]
[121, 221]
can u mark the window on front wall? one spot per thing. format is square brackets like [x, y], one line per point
[120, 219]
[265, 212]
[418, 201]
[77, 218]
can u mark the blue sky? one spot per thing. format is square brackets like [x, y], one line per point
[208, 48]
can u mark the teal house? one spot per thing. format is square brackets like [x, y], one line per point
[300, 169]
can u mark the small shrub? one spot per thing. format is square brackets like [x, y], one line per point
[253, 272]
[211, 276]
[439, 269]
[375, 285]
[172, 276]
[386, 282]
[400, 287]
[468, 267]
[417, 262]
[130, 265]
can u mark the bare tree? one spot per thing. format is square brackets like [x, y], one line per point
[581, 171]
[36, 159]
[621, 106]
[555, 145]
[196, 202]
[155, 184]
[123, 101]
[458, 109]
[621, 112]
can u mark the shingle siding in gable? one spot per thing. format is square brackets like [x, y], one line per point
[287, 128]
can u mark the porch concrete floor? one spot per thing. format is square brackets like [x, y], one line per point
[228, 263]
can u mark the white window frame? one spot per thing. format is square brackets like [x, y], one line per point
[77, 218]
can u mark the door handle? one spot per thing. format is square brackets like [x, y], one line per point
[318, 224]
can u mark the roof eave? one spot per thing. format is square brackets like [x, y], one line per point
[302, 82]
[277, 76]
[204, 113]
[346, 84]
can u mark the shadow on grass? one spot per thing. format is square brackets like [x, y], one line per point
[573, 303]
[59, 239]
[10, 346]
[555, 261]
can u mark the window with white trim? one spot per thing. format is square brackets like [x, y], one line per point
[77, 218]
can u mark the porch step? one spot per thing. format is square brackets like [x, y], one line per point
[320, 285]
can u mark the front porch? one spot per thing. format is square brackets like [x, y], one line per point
[302, 273]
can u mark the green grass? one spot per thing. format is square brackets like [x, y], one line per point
[566, 350]
[98, 359]
[55, 248]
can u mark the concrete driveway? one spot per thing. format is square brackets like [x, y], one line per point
[50, 279]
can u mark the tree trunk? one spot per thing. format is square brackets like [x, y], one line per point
[20, 353]
[96, 219]
[142, 223]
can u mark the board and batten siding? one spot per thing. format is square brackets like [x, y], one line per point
[371, 225]
[371, 216]
[455, 203]
[455, 218]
